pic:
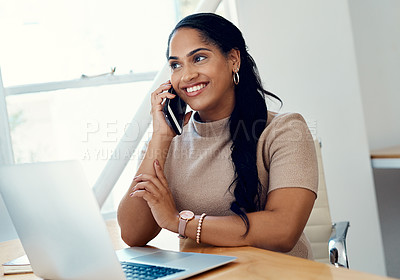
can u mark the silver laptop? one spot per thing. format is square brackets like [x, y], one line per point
[60, 227]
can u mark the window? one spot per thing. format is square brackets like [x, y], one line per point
[59, 44]
[48, 40]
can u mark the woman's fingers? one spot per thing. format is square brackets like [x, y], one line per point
[157, 186]
[146, 185]
[145, 195]
[160, 125]
[162, 92]
[151, 183]
[160, 174]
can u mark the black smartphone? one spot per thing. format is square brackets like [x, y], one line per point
[174, 111]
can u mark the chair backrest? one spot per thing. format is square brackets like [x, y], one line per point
[319, 225]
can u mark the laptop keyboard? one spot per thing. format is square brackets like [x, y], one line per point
[144, 271]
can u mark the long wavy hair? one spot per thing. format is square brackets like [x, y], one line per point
[249, 117]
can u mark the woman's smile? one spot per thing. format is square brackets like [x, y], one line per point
[194, 90]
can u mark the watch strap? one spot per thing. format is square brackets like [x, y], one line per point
[182, 228]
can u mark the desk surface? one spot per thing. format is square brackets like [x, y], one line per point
[252, 263]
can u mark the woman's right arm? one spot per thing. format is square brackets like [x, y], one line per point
[134, 216]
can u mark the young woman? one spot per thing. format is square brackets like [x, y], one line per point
[239, 174]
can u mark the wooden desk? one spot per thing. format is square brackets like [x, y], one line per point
[252, 263]
[386, 158]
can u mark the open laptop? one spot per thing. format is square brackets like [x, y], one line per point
[64, 236]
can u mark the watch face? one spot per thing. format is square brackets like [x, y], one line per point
[186, 214]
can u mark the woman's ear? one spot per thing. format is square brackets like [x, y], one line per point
[234, 57]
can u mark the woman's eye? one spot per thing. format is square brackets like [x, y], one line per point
[199, 58]
[174, 65]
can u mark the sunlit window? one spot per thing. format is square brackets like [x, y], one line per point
[47, 41]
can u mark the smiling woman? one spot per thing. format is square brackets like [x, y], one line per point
[257, 181]
[202, 76]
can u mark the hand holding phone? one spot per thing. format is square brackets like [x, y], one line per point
[174, 110]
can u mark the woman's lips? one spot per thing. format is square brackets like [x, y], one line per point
[195, 90]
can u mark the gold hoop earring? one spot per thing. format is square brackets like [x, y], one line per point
[236, 77]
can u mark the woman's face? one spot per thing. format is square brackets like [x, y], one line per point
[201, 75]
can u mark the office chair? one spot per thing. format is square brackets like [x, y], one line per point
[328, 241]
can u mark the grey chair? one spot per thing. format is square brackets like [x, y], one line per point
[328, 240]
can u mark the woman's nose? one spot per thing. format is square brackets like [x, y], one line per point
[189, 74]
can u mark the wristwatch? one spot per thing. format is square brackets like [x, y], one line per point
[184, 217]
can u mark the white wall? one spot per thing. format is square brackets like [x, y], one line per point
[376, 29]
[305, 53]
[376, 26]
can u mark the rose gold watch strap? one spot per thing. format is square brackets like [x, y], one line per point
[182, 228]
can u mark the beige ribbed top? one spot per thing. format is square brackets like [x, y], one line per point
[199, 169]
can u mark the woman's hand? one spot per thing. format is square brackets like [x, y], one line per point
[155, 191]
[160, 126]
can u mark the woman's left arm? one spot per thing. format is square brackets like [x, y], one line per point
[278, 227]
